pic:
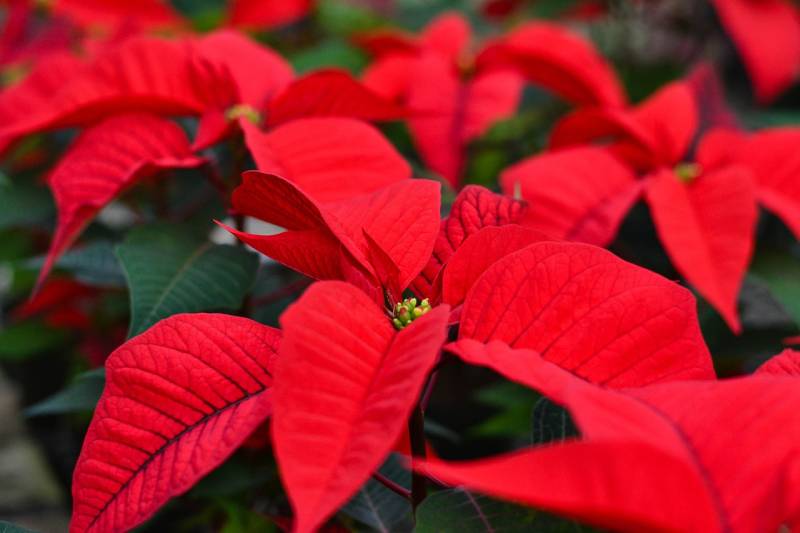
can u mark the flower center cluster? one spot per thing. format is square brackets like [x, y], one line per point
[687, 171]
[243, 111]
[405, 312]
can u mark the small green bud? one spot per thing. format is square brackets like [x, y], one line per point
[686, 172]
[418, 312]
[397, 324]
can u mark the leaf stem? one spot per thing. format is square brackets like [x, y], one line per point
[391, 485]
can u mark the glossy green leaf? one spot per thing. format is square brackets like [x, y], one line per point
[378, 507]
[171, 271]
[79, 396]
[781, 273]
[94, 264]
[24, 205]
[462, 511]
[551, 423]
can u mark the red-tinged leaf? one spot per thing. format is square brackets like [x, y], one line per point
[384, 42]
[345, 386]
[104, 161]
[389, 77]
[708, 229]
[578, 194]
[259, 73]
[331, 159]
[474, 208]
[774, 161]
[657, 132]
[448, 35]
[447, 114]
[330, 93]
[604, 319]
[55, 295]
[477, 253]
[665, 494]
[767, 35]
[709, 93]
[266, 14]
[558, 60]
[326, 241]
[179, 399]
[162, 76]
[786, 363]
[146, 14]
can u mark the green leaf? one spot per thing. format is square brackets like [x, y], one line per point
[28, 339]
[24, 205]
[81, 395]
[329, 53]
[170, 270]
[780, 272]
[379, 507]
[8, 527]
[513, 403]
[551, 423]
[94, 264]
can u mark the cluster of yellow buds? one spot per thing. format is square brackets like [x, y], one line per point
[686, 172]
[405, 312]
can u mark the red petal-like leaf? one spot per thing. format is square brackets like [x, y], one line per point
[331, 159]
[330, 93]
[345, 386]
[709, 93]
[477, 253]
[474, 208]
[389, 77]
[786, 363]
[708, 229]
[584, 309]
[105, 160]
[145, 14]
[491, 96]
[559, 60]
[261, 14]
[321, 239]
[448, 35]
[579, 194]
[670, 115]
[767, 34]
[179, 399]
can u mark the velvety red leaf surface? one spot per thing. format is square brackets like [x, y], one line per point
[448, 35]
[786, 363]
[767, 36]
[104, 161]
[388, 76]
[474, 208]
[477, 253]
[559, 60]
[331, 159]
[681, 450]
[330, 92]
[344, 391]
[581, 307]
[178, 400]
[268, 13]
[580, 194]
[147, 14]
[707, 227]
[326, 241]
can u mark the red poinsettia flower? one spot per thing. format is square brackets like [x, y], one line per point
[675, 456]
[267, 14]
[456, 97]
[704, 211]
[767, 35]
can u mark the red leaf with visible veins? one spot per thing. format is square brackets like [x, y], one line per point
[105, 160]
[474, 208]
[786, 363]
[162, 76]
[178, 400]
[330, 93]
[578, 194]
[708, 229]
[344, 388]
[581, 307]
[559, 60]
[331, 159]
[767, 34]
[477, 253]
[326, 241]
[265, 14]
[692, 440]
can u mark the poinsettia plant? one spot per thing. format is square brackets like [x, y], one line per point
[362, 265]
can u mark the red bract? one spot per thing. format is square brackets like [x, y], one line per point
[344, 389]
[60, 304]
[704, 212]
[474, 208]
[786, 363]
[579, 306]
[179, 399]
[676, 456]
[146, 14]
[333, 240]
[767, 36]
[106, 160]
[267, 14]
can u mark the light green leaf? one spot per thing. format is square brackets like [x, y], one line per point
[79, 396]
[170, 270]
